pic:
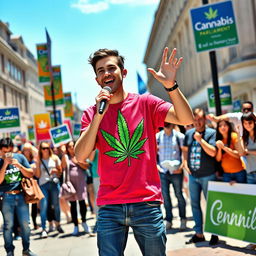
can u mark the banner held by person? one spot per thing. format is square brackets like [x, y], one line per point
[60, 135]
[231, 210]
[42, 124]
[9, 119]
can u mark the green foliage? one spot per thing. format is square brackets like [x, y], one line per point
[126, 147]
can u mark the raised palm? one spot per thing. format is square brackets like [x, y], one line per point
[168, 68]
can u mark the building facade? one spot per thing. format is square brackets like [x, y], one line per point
[19, 84]
[236, 65]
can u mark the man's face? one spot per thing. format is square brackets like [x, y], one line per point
[108, 73]
[199, 121]
[247, 107]
[5, 150]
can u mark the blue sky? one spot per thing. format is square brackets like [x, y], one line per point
[78, 28]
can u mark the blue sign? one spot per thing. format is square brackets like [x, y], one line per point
[60, 135]
[214, 26]
[9, 119]
[58, 117]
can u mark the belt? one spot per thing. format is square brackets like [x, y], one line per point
[13, 192]
[253, 172]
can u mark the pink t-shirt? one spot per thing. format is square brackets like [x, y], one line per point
[127, 149]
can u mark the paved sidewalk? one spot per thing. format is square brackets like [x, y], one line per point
[67, 245]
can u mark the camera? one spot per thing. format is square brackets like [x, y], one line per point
[54, 179]
[9, 154]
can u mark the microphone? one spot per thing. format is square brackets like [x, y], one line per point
[103, 103]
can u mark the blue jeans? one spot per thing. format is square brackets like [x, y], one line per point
[176, 180]
[144, 218]
[50, 190]
[196, 186]
[251, 178]
[239, 177]
[12, 204]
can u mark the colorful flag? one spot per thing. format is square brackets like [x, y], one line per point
[58, 92]
[58, 116]
[42, 124]
[142, 87]
[68, 109]
[43, 64]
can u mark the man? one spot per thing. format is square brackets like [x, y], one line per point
[169, 143]
[129, 193]
[12, 168]
[234, 118]
[199, 161]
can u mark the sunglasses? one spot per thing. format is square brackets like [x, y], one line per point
[45, 148]
[246, 109]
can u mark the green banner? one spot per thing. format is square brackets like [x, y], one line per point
[60, 135]
[231, 211]
[68, 109]
[43, 64]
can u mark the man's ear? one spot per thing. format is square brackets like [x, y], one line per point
[124, 73]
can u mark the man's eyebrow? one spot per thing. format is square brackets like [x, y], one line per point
[102, 68]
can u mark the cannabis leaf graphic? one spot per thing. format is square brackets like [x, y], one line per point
[127, 147]
[211, 14]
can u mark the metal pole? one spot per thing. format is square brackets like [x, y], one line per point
[215, 80]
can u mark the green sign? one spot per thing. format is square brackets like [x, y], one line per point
[214, 26]
[60, 135]
[9, 119]
[225, 98]
[231, 211]
[76, 130]
[31, 132]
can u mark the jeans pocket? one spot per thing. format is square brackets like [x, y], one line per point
[153, 203]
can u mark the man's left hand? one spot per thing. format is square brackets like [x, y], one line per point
[168, 69]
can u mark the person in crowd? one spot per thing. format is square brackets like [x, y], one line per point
[169, 143]
[122, 126]
[234, 118]
[76, 173]
[48, 169]
[90, 188]
[247, 149]
[199, 160]
[227, 154]
[30, 152]
[12, 168]
[64, 204]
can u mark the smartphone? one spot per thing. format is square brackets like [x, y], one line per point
[9, 154]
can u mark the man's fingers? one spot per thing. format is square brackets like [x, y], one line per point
[172, 55]
[164, 58]
[152, 71]
[179, 62]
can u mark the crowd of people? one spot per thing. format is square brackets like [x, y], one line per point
[119, 142]
[49, 166]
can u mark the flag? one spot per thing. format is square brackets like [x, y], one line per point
[142, 88]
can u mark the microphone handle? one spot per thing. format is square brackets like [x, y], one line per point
[102, 107]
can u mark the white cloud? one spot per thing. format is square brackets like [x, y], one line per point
[86, 6]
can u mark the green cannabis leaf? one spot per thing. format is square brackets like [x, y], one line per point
[211, 14]
[127, 147]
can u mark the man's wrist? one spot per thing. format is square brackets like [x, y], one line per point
[175, 86]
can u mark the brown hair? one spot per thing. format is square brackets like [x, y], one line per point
[103, 53]
[198, 111]
[40, 149]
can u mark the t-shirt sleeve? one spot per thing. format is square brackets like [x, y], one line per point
[181, 137]
[87, 118]
[212, 138]
[159, 109]
[23, 160]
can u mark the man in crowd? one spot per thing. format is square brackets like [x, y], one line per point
[199, 161]
[169, 143]
[12, 168]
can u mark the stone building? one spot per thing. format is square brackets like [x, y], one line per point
[19, 84]
[236, 65]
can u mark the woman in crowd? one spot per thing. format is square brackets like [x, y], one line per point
[30, 152]
[48, 170]
[227, 154]
[75, 172]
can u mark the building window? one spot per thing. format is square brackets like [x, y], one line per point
[2, 62]
[5, 96]
[15, 72]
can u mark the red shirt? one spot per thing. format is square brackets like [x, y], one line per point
[127, 149]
